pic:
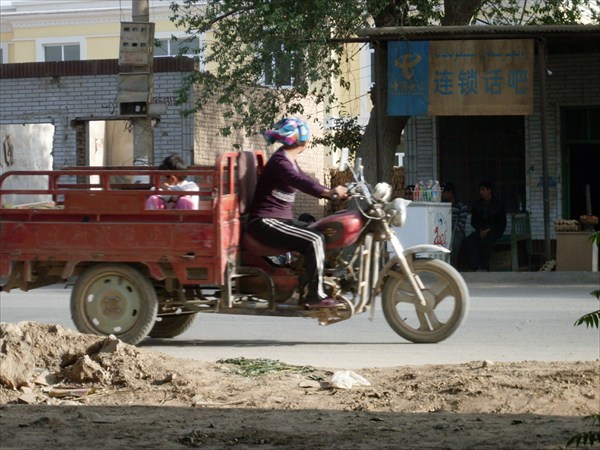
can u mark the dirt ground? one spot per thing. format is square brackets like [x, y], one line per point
[61, 389]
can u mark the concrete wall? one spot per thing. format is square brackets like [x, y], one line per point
[25, 147]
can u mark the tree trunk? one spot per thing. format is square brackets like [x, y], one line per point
[381, 162]
[456, 12]
[391, 131]
[459, 12]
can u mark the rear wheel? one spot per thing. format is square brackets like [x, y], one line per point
[114, 299]
[171, 326]
[446, 296]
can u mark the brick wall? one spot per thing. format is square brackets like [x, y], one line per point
[61, 92]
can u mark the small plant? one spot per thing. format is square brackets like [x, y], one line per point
[591, 320]
[587, 437]
[256, 367]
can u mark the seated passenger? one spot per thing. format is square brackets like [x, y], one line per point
[174, 182]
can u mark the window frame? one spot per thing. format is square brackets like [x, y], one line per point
[293, 71]
[168, 36]
[41, 44]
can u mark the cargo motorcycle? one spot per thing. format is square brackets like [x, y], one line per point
[423, 298]
[136, 272]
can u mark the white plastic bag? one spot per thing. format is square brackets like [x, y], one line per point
[346, 379]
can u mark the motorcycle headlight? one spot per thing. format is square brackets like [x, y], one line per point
[396, 209]
[382, 192]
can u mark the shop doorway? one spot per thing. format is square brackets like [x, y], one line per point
[476, 148]
[581, 159]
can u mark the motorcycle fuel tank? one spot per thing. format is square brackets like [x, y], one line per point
[341, 229]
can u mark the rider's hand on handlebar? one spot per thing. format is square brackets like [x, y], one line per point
[338, 193]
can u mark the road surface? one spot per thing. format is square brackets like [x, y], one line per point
[514, 322]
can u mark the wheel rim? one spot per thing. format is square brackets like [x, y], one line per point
[111, 303]
[441, 308]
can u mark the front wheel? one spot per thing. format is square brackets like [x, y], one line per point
[446, 296]
[114, 299]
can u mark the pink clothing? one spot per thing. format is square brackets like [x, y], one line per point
[156, 202]
[163, 201]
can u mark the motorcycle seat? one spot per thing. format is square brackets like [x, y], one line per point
[253, 246]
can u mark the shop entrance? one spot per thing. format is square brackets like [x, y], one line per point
[581, 159]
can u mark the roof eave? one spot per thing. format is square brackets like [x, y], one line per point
[477, 31]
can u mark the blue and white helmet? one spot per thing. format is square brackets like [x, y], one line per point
[289, 131]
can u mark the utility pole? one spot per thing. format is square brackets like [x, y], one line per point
[143, 136]
[135, 83]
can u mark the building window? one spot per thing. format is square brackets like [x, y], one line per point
[173, 46]
[477, 148]
[281, 67]
[61, 52]
[580, 140]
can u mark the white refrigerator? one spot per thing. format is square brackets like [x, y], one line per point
[426, 223]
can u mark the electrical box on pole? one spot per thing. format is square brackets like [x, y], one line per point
[135, 85]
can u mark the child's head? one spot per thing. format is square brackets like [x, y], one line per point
[174, 162]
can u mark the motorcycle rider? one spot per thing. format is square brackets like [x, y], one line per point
[271, 219]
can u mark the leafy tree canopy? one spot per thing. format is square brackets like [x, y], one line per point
[293, 47]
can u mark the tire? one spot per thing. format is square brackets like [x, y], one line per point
[446, 295]
[114, 299]
[171, 326]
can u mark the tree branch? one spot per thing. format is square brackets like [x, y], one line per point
[229, 14]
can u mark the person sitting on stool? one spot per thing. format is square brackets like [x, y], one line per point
[488, 218]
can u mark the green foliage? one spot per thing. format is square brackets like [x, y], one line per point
[267, 55]
[345, 132]
[587, 437]
[256, 367]
[262, 58]
[592, 320]
[538, 12]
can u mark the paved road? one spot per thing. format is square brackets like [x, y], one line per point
[507, 322]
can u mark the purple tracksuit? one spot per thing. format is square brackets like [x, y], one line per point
[271, 218]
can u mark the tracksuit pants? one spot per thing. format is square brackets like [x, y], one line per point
[295, 236]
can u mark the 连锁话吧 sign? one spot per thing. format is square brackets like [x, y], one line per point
[473, 77]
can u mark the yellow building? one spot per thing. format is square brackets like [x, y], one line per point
[47, 30]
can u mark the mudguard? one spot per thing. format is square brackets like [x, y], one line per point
[425, 248]
[387, 269]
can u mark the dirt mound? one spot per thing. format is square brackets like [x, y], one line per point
[44, 366]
